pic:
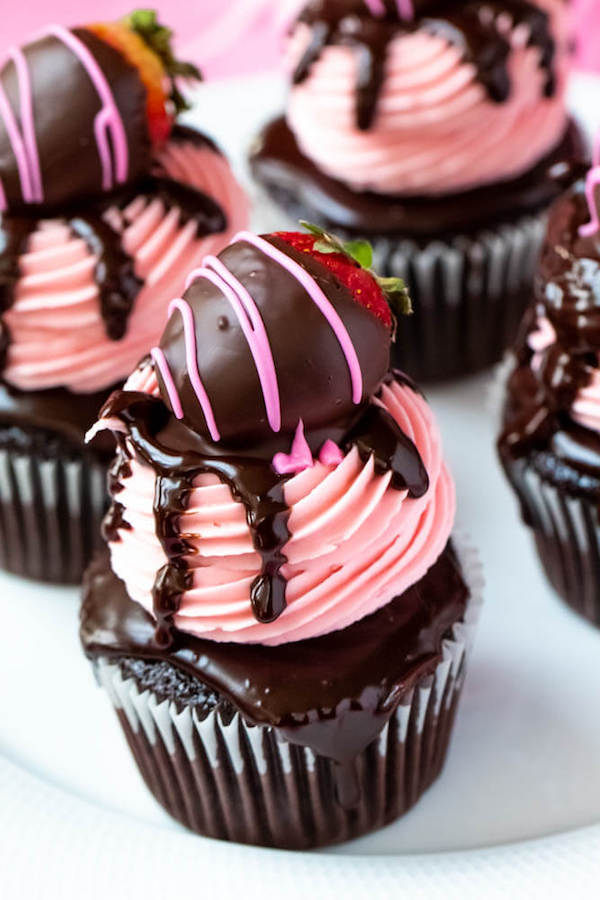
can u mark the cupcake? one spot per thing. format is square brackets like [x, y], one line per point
[550, 444]
[439, 132]
[106, 203]
[283, 616]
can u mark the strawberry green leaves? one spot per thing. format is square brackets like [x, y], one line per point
[361, 253]
[157, 37]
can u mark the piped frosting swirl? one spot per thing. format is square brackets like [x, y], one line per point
[455, 97]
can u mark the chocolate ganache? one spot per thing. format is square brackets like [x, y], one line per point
[538, 423]
[303, 190]
[333, 693]
[370, 26]
[80, 146]
[216, 391]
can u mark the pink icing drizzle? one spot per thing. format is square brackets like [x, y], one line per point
[26, 109]
[376, 7]
[591, 183]
[192, 363]
[163, 367]
[330, 454]
[254, 330]
[300, 457]
[318, 297]
[108, 122]
[405, 9]
[23, 146]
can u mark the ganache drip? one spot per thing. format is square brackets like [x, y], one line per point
[118, 284]
[470, 26]
[178, 455]
[568, 295]
[377, 435]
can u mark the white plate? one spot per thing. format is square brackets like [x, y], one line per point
[76, 820]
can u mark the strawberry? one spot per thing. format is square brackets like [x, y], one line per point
[146, 44]
[351, 263]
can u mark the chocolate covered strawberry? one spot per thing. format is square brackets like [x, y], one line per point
[82, 109]
[351, 262]
[234, 364]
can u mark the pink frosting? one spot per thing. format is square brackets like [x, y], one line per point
[355, 541]
[436, 130]
[57, 332]
[586, 406]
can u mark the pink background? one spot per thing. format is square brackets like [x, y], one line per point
[227, 37]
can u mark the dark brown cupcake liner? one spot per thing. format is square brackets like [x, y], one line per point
[51, 511]
[566, 528]
[469, 294]
[227, 779]
[469, 291]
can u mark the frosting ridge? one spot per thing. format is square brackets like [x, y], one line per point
[436, 128]
[379, 540]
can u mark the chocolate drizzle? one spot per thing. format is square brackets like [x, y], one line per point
[537, 417]
[378, 435]
[194, 205]
[178, 455]
[118, 284]
[333, 693]
[469, 25]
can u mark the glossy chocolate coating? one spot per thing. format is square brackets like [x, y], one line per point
[333, 693]
[65, 106]
[312, 372]
[278, 163]
[350, 23]
[537, 420]
[56, 410]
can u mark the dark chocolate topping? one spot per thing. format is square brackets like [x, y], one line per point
[332, 693]
[56, 410]
[537, 418]
[118, 285]
[312, 371]
[297, 183]
[378, 435]
[66, 143]
[178, 454]
[469, 25]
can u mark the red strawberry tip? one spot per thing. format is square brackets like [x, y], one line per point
[351, 263]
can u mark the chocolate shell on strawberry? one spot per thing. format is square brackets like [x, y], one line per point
[283, 591]
[106, 201]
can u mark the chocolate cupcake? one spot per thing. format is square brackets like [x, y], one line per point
[550, 445]
[283, 619]
[106, 202]
[438, 131]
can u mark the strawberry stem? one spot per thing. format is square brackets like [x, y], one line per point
[361, 253]
[158, 38]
